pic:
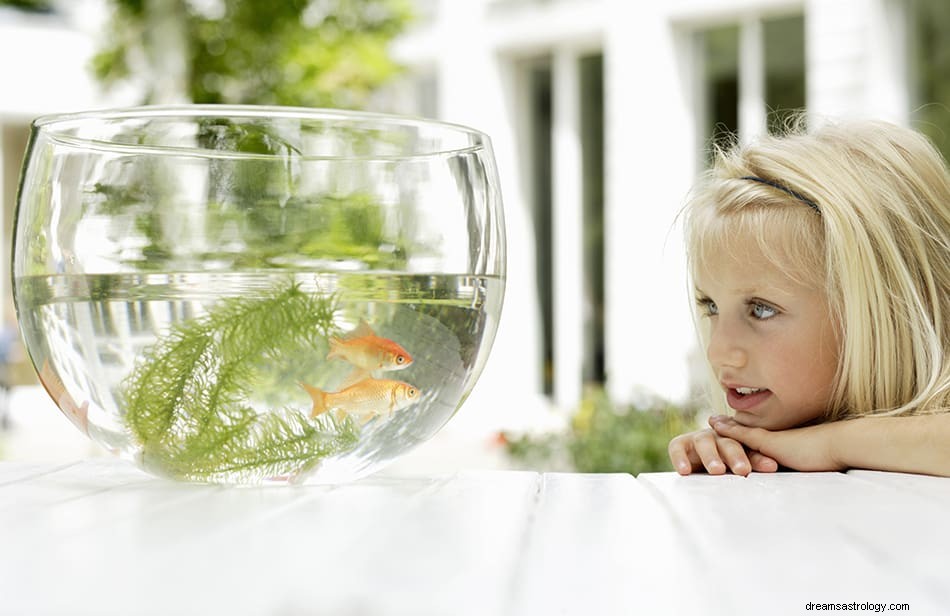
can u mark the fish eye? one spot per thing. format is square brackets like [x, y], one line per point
[400, 359]
[412, 392]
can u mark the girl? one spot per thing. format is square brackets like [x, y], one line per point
[821, 267]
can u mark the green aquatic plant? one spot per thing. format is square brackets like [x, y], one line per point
[186, 400]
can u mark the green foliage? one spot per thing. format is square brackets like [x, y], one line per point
[327, 53]
[187, 398]
[605, 438]
[931, 58]
[39, 6]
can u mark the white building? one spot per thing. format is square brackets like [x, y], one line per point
[599, 111]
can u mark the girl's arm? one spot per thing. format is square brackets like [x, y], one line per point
[914, 444]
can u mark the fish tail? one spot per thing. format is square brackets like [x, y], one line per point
[319, 398]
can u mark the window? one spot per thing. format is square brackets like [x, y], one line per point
[784, 42]
[719, 93]
[570, 276]
[592, 155]
[751, 77]
[540, 105]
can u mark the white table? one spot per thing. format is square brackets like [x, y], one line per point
[98, 537]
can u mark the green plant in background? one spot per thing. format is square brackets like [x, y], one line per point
[187, 397]
[326, 53]
[606, 438]
[930, 57]
[38, 6]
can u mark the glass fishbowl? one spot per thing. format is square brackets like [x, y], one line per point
[241, 294]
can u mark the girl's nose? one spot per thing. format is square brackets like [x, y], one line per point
[724, 349]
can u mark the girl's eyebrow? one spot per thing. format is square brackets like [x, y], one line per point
[741, 291]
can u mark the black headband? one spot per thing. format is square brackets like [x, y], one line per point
[784, 189]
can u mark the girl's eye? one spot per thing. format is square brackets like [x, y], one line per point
[762, 311]
[707, 306]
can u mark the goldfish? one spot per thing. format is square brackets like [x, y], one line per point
[367, 352]
[77, 414]
[365, 399]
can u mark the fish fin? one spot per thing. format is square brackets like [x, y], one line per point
[354, 377]
[319, 398]
[363, 329]
[335, 349]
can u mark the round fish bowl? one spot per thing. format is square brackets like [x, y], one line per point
[240, 294]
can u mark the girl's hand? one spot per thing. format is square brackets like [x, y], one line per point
[803, 449]
[705, 449]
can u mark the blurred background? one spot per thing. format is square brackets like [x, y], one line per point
[601, 113]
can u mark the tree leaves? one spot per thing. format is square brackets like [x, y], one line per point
[321, 53]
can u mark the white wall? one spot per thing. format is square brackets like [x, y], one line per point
[46, 57]
[650, 164]
[856, 59]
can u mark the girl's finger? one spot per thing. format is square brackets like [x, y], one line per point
[682, 455]
[708, 451]
[678, 458]
[761, 463]
[727, 426]
[734, 455]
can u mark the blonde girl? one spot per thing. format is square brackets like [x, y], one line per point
[821, 266]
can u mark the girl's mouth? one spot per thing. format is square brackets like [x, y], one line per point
[746, 398]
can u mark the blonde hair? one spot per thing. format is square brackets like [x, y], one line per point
[877, 244]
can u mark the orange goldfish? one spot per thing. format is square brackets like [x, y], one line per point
[77, 414]
[365, 399]
[367, 351]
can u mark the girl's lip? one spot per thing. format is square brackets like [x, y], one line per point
[746, 402]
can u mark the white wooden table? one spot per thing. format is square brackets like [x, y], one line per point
[98, 537]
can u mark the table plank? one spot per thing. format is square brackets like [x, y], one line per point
[376, 546]
[596, 544]
[100, 537]
[789, 538]
[927, 490]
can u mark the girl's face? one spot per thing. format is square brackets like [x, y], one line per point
[771, 340]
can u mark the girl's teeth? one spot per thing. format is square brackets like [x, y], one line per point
[747, 390]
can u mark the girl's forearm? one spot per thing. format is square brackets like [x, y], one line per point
[917, 444]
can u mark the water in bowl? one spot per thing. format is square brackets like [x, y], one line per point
[208, 377]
